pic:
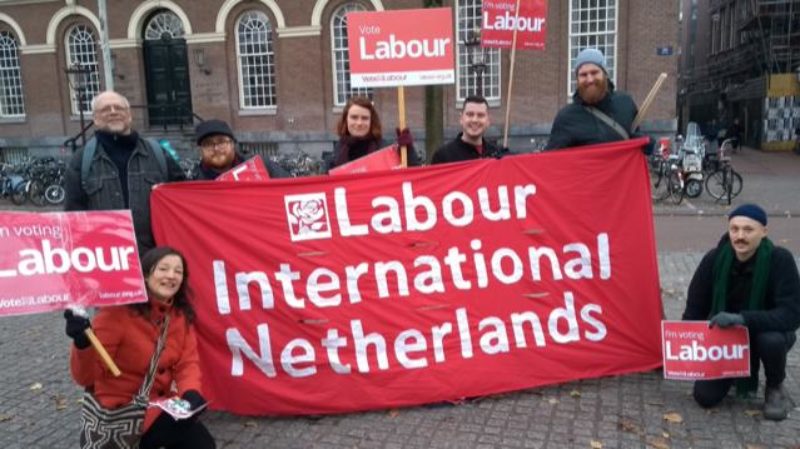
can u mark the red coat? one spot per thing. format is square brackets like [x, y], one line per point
[130, 339]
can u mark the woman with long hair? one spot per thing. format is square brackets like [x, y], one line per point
[360, 133]
[130, 334]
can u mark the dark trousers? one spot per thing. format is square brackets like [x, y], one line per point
[769, 348]
[170, 434]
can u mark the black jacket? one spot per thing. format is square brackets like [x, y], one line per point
[575, 126]
[782, 303]
[201, 173]
[457, 150]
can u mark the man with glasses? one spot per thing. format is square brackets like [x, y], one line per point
[218, 152]
[118, 168]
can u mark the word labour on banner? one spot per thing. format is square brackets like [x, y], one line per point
[395, 48]
[49, 260]
[508, 22]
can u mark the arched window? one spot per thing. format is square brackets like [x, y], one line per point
[592, 24]
[256, 61]
[12, 103]
[478, 68]
[82, 52]
[340, 56]
[164, 22]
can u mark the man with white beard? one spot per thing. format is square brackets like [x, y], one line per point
[598, 113]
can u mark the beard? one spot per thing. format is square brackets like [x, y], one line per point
[592, 94]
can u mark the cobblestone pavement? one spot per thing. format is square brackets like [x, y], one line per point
[40, 407]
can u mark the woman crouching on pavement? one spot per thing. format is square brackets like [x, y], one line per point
[132, 335]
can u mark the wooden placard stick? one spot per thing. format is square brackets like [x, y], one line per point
[401, 121]
[101, 351]
[648, 101]
[511, 77]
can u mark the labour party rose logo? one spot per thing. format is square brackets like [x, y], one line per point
[307, 215]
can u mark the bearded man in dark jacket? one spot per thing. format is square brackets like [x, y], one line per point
[581, 122]
[747, 281]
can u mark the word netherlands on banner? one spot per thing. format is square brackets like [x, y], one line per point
[50, 261]
[443, 282]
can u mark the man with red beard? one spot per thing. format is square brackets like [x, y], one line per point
[598, 113]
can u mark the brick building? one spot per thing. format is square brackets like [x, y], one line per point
[277, 69]
[741, 61]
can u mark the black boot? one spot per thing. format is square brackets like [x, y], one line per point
[776, 403]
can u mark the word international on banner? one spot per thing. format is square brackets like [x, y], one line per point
[408, 47]
[250, 170]
[340, 293]
[694, 351]
[54, 260]
[500, 20]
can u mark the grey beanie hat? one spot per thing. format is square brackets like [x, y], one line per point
[591, 56]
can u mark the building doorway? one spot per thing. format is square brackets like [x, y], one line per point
[166, 64]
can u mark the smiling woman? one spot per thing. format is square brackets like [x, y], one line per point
[154, 346]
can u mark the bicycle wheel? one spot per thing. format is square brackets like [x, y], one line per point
[659, 185]
[693, 188]
[36, 193]
[675, 187]
[737, 183]
[54, 194]
[20, 195]
[716, 184]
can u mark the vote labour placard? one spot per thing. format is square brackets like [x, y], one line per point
[49, 261]
[500, 19]
[406, 47]
[382, 289]
[693, 351]
[250, 170]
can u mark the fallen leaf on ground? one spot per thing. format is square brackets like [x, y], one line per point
[61, 402]
[665, 434]
[4, 417]
[575, 393]
[596, 444]
[553, 401]
[658, 442]
[393, 413]
[673, 417]
[250, 424]
[755, 446]
[36, 386]
[752, 412]
[626, 425]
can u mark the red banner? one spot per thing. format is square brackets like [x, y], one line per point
[252, 169]
[53, 260]
[372, 290]
[406, 47]
[693, 351]
[383, 159]
[500, 19]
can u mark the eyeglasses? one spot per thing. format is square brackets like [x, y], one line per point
[209, 145]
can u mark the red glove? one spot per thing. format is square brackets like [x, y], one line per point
[404, 137]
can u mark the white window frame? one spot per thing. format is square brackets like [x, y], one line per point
[340, 54]
[12, 99]
[580, 39]
[262, 51]
[87, 57]
[468, 18]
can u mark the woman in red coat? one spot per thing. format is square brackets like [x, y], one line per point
[129, 334]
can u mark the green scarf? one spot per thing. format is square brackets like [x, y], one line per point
[722, 275]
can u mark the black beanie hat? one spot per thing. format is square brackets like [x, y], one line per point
[211, 128]
[750, 211]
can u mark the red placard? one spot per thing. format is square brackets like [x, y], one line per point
[383, 159]
[445, 282]
[500, 20]
[406, 47]
[252, 170]
[53, 260]
[693, 351]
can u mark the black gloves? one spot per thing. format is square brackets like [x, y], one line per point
[404, 137]
[76, 325]
[726, 319]
[194, 398]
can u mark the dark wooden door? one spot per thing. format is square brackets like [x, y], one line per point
[169, 96]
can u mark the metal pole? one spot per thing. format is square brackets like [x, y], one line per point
[104, 45]
[80, 90]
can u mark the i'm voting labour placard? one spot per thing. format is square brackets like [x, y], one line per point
[694, 351]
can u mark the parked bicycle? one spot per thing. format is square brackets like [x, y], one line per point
[724, 183]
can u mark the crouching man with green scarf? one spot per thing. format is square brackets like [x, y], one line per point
[748, 281]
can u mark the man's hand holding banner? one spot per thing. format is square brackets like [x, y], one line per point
[335, 294]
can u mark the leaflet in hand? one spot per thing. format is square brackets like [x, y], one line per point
[177, 408]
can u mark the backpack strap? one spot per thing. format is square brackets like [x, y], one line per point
[613, 124]
[156, 149]
[86, 162]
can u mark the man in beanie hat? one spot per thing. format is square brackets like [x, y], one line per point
[598, 113]
[218, 153]
[748, 281]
